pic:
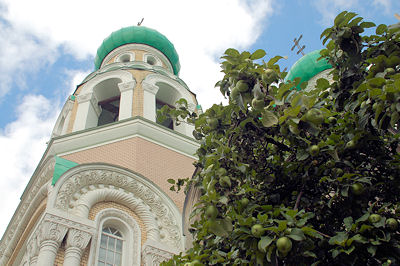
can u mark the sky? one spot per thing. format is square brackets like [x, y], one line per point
[47, 47]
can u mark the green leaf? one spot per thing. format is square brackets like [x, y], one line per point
[359, 238]
[363, 218]
[171, 181]
[269, 119]
[348, 222]
[302, 154]
[372, 250]
[260, 53]
[347, 18]
[339, 18]
[264, 242]
[367, 24]
[308, 253]
[339, 239]
[322, 83]
[297, 234]
[232, 52]
[381, 29]
[226, 224]
[273, 60]
[216, 228]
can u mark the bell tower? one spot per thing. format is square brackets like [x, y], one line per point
[100, 195]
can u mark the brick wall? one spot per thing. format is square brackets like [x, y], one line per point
[153, 161]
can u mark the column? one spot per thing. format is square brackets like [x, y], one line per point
[149, 100]
[126, 100]
[77, 241]
[50, 236]
[88, 112]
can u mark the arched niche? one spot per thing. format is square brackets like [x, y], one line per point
[108, 96]
[105, 98]
[160, 90]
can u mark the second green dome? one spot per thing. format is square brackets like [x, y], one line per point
[142, 35]
[308, 66]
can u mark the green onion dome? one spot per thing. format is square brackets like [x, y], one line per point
[308, 66]
[142, 35]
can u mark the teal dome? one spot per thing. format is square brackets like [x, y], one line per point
[308, 66]
[142, 35]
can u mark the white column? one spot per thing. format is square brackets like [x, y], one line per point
[50, 237]
[77, 241]
[126, 100]
[149, 100]
[88, 112]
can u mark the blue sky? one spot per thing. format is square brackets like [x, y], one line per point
[47, 47]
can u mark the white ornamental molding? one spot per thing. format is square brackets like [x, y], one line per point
[153, 256]
[78, 238]
[126, 86]
[70, 221]
[52, 231]
[153, 89]
[90, 97]
[36, 193]
[83, 186]
[87, 200]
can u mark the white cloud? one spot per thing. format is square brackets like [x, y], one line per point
[200, 30]
[20, 53]
[22, 144]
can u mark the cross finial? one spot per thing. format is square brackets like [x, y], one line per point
[140, 23]
[296, 44]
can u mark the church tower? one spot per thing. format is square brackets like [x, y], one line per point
[100, 195]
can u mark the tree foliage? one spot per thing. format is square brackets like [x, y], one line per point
[302, 177]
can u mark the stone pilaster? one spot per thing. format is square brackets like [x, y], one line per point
[149, 100]
[126, 100]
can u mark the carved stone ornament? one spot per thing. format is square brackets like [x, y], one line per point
[154, 256]
[52, 231]
[77, 238]
[28, 205]
[78, 192]
[150, 87]
[126, 86]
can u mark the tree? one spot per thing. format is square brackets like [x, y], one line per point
[302, 177]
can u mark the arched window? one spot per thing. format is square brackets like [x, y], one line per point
[117, 241]
[110, 251]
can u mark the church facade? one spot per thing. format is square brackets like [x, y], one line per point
[100, 195]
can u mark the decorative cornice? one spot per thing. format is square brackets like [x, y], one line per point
[152, 255]
[77, 238]
[153, 89]
[126, 86]
[51, 231]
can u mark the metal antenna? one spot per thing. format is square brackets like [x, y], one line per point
[140, 23]
[296, 44]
